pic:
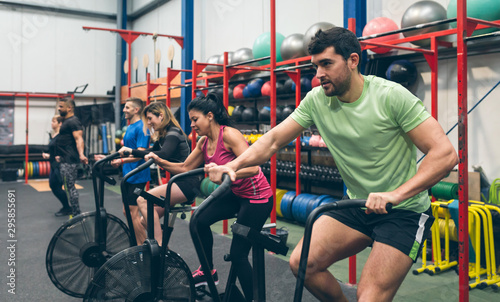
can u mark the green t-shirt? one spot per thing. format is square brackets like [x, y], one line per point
[367, 138]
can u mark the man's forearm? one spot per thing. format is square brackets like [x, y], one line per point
[80, 147]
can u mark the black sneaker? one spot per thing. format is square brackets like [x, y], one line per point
[63, 212]
[200, 278]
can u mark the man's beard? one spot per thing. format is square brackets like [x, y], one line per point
[63, 113]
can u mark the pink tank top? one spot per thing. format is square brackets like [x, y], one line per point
[255, 187]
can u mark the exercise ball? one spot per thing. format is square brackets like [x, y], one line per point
[220, 60]
[423, 12]
[265, 114]
[403, 72]
[292, 47]
[305, 84]
[262, 47]
[230, 91]
[289, 86]
[312, 31]
[246, 92]
[237, 112]
[266, 88]
[287, 111]
[242, 55]
[280, 87]
[249, 114]
[238, 91]
[488, 10]
[279, 113]
[217, 91]
[230, 110]
[315, 82]
[255, 86]
[212, 60]
[377, 26]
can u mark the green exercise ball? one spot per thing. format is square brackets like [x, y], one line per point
[262, 47]
[488, 10]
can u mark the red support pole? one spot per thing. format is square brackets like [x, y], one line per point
[352, 260]
[433, 64]
[352, 270]
[225, 77]
[463, 176]
[298, 146]
[26, 148]
[129, 73]
[273, 106]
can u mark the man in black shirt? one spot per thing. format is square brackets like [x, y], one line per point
[70, 150]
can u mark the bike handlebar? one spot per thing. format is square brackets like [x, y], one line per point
[338, 205]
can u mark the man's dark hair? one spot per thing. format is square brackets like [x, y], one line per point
[344, 42]
[68, 102]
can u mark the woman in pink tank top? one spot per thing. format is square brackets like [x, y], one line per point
[250, 197]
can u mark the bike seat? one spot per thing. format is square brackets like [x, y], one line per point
[271, 242]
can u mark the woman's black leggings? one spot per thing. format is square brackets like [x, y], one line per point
[56, 184]
[251, 213]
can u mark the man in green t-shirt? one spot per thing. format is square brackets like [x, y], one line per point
[372, 127]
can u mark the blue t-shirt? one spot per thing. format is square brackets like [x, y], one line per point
[134, 138]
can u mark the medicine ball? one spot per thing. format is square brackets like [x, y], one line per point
[255, 86]
[315, 82]
[265, 114]
[403, 72]
[287, 111]
[238, 91]
[249, 114]
[237, 112]
[279, 113]
[280, 87]
[289, 86]
[247, 92]
[266, 89]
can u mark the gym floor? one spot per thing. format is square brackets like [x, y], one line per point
[35, 225]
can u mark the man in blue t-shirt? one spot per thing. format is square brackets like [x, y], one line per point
[135, 138]
[372, 128]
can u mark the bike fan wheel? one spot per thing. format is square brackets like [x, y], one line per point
[127, 277]
[73, 256]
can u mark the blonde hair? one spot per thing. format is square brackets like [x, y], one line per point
[59, 120]
[156, 109]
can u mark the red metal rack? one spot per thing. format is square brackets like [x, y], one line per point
[27, 95]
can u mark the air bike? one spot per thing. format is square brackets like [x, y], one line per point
[85, 242]
[154, 273]
[306, 243]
